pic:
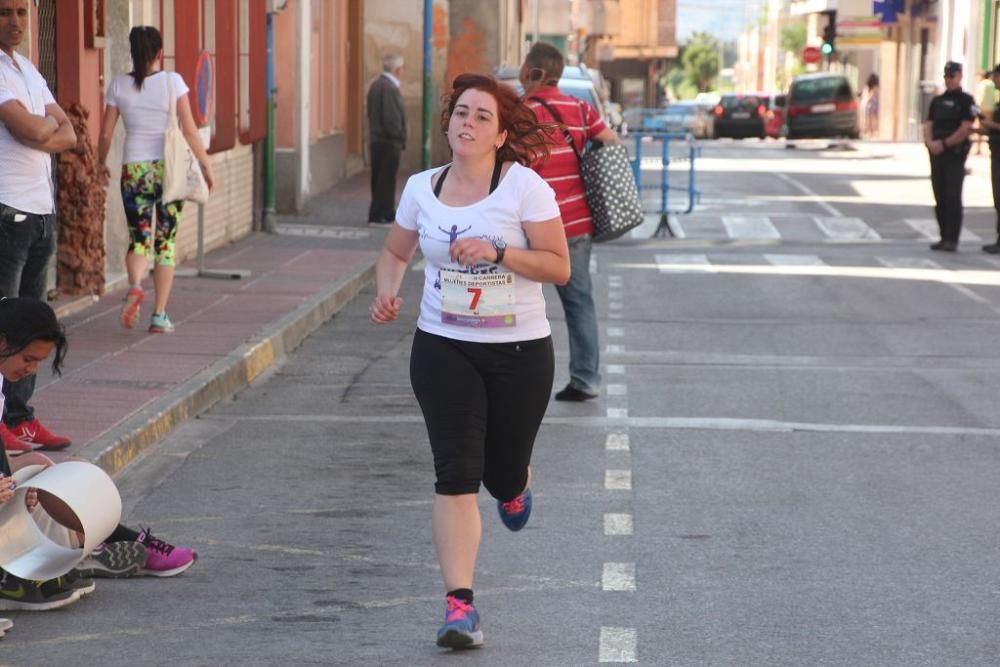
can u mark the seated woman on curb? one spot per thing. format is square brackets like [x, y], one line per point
[29, 334]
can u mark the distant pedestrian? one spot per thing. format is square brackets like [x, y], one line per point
[142, 98]
[540, 75]
[990, 124]
[32, 128]
[869, 107]
[986, 100]
[946, 135]
[482, 361]
[387, 138]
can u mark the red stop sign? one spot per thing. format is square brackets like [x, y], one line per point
[811, 54]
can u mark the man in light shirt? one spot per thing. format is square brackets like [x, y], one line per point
[32, 128]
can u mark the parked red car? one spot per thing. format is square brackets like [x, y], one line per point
[774, 117]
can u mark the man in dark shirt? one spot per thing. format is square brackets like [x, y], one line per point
[946, 135]
[387, 139]
[991, 127]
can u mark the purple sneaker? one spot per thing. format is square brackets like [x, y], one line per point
[515, 513]
[162, 559]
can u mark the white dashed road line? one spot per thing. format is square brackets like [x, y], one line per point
[618, 524]
[618, 480]
[617, 442]
[618, 577]
[618, 645]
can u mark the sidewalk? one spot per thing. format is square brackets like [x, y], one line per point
[122, 391]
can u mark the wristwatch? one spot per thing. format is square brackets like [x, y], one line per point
[501, 247]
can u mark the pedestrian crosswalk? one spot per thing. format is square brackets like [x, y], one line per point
[801, 228]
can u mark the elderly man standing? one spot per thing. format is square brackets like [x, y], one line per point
[387, 137]
[32, 127]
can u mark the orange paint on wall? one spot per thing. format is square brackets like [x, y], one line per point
[466, 52]
[439, 32]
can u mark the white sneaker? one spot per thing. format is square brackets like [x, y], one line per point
[5, 625]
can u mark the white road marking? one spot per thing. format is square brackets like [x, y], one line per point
[617, 442]
[618, 577]
[617, 413]
[811, 194]
[615, 316]
[618, 645]
[924, 263]
[617, 390]
[614, 295]
[419, 266]
[615, 332]
[930, 231]
[618, 524]
[593, 264]
[750, 227]
[846, 229]
[676, 263]
[615, 305]
[614, 349]
[615, 369]
[618, 480]
[794, 260]
[693, 423]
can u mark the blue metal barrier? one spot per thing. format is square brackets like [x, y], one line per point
[688, 152]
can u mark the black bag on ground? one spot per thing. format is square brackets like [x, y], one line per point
[608, 183]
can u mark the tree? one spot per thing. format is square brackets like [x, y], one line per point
[793, 39]
[701, 60]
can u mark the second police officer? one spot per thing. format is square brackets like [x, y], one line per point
[946, 135]
[991, 126]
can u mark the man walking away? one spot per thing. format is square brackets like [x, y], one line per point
[946, 135]
[561, 170]
[387, 137]
[32, 126]
[990, 122]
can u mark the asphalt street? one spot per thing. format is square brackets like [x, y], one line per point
[794, 461]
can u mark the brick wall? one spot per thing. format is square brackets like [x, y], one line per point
[229, 213]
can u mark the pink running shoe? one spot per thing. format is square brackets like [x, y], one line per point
[130, 307]
[162, 559]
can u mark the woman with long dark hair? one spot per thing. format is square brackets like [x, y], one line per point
[143, 98]
[29, 335]
[482, 361]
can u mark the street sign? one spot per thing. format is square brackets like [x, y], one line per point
[204, 84]
[811, 54]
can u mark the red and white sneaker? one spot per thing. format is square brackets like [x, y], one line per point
[34, 432]
[13, 445]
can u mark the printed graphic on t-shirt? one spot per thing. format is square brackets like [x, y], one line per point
[477, 300]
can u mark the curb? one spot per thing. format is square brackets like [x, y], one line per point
[119, 446]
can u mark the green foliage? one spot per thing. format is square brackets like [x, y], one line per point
[793, 39]
[700, 60]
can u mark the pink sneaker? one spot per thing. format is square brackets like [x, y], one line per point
[162, 559]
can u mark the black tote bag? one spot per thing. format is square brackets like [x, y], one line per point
[608, 183]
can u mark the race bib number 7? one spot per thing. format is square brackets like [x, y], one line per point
[479, 301]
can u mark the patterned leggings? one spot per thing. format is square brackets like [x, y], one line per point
[142, 189]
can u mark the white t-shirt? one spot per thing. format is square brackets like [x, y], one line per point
[145, 112]
[486, 303]
[26, 174]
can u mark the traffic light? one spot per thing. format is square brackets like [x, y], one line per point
[829, 34]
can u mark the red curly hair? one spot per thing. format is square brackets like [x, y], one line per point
[527, 139]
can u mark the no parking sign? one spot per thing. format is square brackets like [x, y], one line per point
[204, 85]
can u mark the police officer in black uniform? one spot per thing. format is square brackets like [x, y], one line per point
[946, 135]
[991, 127]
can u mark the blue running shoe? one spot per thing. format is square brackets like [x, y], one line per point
[515, 513]
[461, 626]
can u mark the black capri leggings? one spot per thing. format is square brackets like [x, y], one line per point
[483, 404]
